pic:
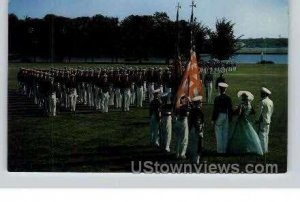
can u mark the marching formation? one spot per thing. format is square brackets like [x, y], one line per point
[234, 132]
[100, 89]
[217, 66]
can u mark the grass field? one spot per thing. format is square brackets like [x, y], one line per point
[93, 142]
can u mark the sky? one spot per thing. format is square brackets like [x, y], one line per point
[252, 18]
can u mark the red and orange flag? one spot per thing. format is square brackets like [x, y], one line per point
[191, 84]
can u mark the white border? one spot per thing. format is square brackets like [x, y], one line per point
[291, 179]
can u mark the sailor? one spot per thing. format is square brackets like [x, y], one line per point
[132, 94]
[119, 97]
[196, 124]
[111, 93]
[266, 108]
[151, 91]
[183, 128]
[155, 115]
[222, 114]
[98, 91]
[140, 89]
[52, 98]
[105, 94]
[72, 92]
[166, 122]
[85, 88]
[90, 88]
[126, 92]
[208, 83]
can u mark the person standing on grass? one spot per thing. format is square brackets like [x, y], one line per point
[222, 114]
[182, 127]
[266, 108]
[166, 123]
[140, 89]
[196, 125]
[244, 138]
[208, 83]
[71, 85]
[126, 92]
[104, 93]
[155, 115]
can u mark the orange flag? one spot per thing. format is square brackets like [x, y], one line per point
[191, 84]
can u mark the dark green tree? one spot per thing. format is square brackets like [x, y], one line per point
[223, 41]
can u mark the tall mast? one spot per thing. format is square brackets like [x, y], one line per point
[178, 34]
[192, 24]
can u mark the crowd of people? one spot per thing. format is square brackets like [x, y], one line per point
[100, 89]
[217, 66]
[104, 88]
[233, 129]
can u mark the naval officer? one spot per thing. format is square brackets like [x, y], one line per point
[266, 108]
[222, 114]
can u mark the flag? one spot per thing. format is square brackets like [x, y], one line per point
[191, 84]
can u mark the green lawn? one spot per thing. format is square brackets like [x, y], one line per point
[94, 142]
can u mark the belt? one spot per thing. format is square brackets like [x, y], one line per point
[167, 114]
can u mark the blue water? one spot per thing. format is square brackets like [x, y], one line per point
[246, 58]
[254, 58]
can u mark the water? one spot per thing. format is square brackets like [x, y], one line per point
[255, 58]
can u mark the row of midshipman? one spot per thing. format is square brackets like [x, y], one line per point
[99, 88]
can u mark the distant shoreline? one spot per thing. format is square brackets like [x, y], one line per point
[275, 51]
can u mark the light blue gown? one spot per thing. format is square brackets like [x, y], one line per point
[244, 138]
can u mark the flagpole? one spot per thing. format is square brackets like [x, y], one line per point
[192, 21]
[177, 63]
[178, 35]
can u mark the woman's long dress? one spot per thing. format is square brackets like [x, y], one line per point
[244, 138]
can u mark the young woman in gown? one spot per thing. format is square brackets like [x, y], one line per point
[244, 138]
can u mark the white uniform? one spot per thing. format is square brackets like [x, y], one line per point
[73, 99]
[166, 130]
[221, 115]
[140, 96]
[209, 91]
[111, 96]
[265, 113]
[182, 136]
[118, 98]
[126, 99]
[132, 94]
[98, 100]
[154, 130]
[221, 130]
[52, 104]
[150, 91]
[104, 102]
[85, 93]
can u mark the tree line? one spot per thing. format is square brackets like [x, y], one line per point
[57, 38]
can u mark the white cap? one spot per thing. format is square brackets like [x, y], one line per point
[197, 98]
[157, 91]
[223, 85]
[249, 95]
[265, 90]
